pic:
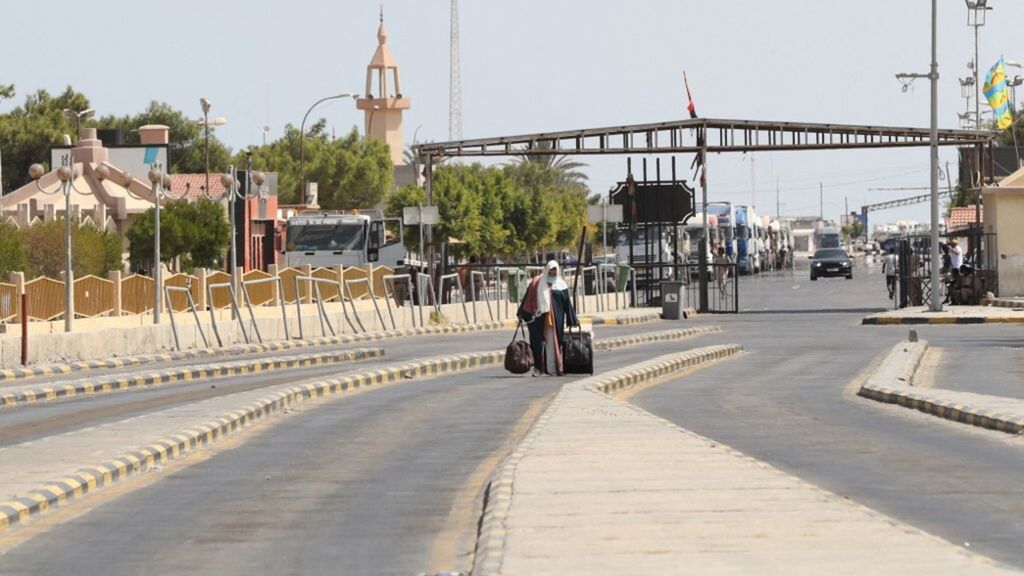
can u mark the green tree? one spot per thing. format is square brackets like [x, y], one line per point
[186, 148]
[28, 131]
[567, 171]
[351, 172]
[192, 235]
[12, 250]
[93, 251]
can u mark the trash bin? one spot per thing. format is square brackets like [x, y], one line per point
[622, 278]
[516, 288]
[672, 300]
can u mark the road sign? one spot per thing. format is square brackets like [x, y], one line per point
[412, 215]
[611, 213]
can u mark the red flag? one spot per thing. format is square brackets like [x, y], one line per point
[690, 107]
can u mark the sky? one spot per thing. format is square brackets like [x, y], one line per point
[541, 65]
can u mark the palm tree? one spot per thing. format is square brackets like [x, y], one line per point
[568, 170]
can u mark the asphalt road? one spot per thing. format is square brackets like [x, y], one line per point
[788, 401]
[31, 421]
[365, 484]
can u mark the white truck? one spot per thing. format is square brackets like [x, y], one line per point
[349, 238]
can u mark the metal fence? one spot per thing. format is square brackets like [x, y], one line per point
[722, 279]
[967, 285]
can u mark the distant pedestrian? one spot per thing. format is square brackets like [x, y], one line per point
[889, 265]
[547, 308]
[722, 271]
[956, 258]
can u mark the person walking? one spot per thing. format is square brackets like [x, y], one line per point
[547, 308]
[722, 271]
[889, 265]
[956, 258]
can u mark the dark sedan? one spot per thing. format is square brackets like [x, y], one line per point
[831, 262]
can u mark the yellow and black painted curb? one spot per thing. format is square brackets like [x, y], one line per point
[42, 393]
[892, 383]
[490, 546]
[89, 479]
[241, 349]
[931, 320]
[626, 320]
[957, 412]
[92, 478]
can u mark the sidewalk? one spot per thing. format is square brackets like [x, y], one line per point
[602, 487]
[949, 315]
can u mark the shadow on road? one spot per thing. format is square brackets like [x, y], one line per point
[816, 311]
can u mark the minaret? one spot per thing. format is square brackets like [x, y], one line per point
[382, 103]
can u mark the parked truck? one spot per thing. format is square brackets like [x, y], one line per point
[349, 238]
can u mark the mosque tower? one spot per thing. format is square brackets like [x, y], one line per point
[382, 102]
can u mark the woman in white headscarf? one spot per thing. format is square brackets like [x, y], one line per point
[546, 308]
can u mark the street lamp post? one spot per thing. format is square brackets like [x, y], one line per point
[206, 123]
[230, 182]
[161, 185]
[933, 76]
[77, 118]
[66, 174]
[302, 138]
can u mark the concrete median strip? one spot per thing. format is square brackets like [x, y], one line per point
[893, 383]
[600, 486]
[7, 374]
[491, 541]
[45, 392]
[30, 502]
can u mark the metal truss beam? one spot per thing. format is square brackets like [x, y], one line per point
[693, 136]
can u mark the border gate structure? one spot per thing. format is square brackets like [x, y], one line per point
[699, 137]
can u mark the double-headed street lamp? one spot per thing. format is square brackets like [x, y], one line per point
[302, 139]
[78, 117]
[206, 123]
[66, 174]
[230, 182]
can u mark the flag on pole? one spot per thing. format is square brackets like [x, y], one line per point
[690, 107]
[997, 94]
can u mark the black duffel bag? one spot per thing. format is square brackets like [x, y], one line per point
[578, 352]
[518, 356]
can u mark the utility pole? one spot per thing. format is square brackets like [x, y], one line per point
[821, 202]
[933, 76]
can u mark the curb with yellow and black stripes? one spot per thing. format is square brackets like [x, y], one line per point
[935, 320]
[240, 349]
[491, 537]
[51, 494]
[42, 392]
[892, 381]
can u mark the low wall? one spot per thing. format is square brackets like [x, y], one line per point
[130, 336]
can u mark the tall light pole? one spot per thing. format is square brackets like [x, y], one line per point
[206, 123]
[161, 184]
[77, 118]
[230, 182]
[933, 75]
[302, 138]
[66, 174]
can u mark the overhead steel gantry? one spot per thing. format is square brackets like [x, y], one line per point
[702, 135]
[699, 136]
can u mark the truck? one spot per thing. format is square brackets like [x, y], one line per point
[748, 231]
[831, 237]
[725, 216]
[353, 238]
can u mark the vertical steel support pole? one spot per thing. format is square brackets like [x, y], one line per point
[24, 329]
[705, 243]
[157, 285]
[232, 266]
[936, 303]
[69, 275]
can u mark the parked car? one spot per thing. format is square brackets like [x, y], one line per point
[831, 262]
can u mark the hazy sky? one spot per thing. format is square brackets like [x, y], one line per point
[532, 65]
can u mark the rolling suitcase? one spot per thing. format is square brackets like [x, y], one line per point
[578, 348]
[578, 352]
